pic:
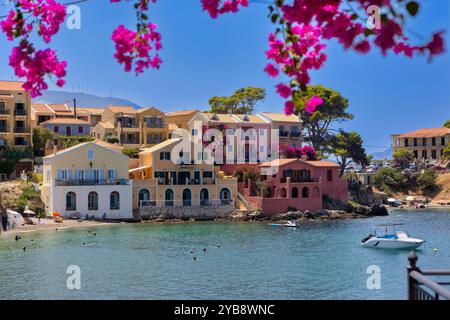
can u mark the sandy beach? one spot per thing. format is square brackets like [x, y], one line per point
[49, 224]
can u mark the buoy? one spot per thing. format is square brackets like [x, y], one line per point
[195, 259]
[192, 251]
[435, 250]
[204, 249]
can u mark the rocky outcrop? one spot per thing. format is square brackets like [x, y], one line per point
[364, 195]
[377, 210]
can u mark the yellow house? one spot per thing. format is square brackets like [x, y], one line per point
[90, 179]
[181, 182]
[135, 128]
[15, 104]
[425, 144]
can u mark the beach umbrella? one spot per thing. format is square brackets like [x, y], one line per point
[410, 198]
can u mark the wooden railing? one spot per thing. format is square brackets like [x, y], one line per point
[421, 286]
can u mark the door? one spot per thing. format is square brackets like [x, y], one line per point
[68, 131]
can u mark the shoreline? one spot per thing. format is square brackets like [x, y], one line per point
[50, 225]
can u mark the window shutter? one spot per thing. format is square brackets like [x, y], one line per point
[69, 174]
[59, 175]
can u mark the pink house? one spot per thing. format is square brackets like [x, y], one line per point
[296, 183]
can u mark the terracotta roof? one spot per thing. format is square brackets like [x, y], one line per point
[65, 121]
[173, 127]
[181, 113]
[427, 133]
[11, 86]
[253, 118]
[124, 109]
[95, 111]
[226, 118]
[282, 162]
[106, 124]
[161, 145]
[42, 107]
[59, 107]
[113, 147]
[280, 117]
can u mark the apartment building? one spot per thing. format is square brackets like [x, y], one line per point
[171, 175]
[15, 104]
[425, 144]
[135, 128]
[90, 179]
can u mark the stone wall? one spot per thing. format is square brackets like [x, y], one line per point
[198, 213]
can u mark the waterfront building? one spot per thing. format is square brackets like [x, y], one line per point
[66, 127]
[42, 112]
[290, 184]
[174, 180]
[15, 130]
[89, 179]
[134, 128]
[425, 144]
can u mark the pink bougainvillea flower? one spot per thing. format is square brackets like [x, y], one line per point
[313, 103]
[284, 90]
[289, 107]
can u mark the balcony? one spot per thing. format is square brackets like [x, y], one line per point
[284, 134]
[92, 182]
[295, 134]
[4, 129]
[21, 130]
[188, 182]
[300, 180]
[4, 111]
[20, 112]
[130, 141]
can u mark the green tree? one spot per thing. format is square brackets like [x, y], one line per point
[319, 125]
[40, 138]
[243, 101]
[132, 153]
[70, 141]
[447, 124]
[427, 181]
[348, 148]
[446, 153]
[402, 159]
[112, 139]
[389, 179]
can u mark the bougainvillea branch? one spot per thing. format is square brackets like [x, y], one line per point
[296, 47]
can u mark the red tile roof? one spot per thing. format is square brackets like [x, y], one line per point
[427, 133]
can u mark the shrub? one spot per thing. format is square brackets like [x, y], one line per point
[427, 181]
[132, 153]
[389, 179]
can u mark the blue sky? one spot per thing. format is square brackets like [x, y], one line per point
[205, 57]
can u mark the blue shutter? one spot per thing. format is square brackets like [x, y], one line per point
[59, 175]
[69, 174]
[77, 174]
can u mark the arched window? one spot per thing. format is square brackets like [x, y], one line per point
[294, 192]
[169, 197]
[114, 201]
[93, 201]
[71, 201]
[225, 196]
[283, 193]
[204, 197]
[187, 197]
[305, 192]
[316, 192]
[144, 197]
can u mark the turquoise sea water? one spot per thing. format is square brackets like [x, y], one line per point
[320, 260]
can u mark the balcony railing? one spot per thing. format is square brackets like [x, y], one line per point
[21, 130]
[4, 111]
[284, 134]
[295, 134]
[421, 286]
[185, 203]
[93, 182]
[20, 112]
[188, 182]
[301, 180]
[4, 129]
[130, 141]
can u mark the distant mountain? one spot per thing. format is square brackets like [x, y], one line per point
[83, 99]
[387, 154]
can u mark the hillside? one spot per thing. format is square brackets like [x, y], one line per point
[83, 99]
[443, 181]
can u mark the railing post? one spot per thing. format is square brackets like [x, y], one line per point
[411, 281]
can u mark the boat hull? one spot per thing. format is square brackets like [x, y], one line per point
[393, 243]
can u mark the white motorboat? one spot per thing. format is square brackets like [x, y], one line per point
[289, 224]
[392, 239]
